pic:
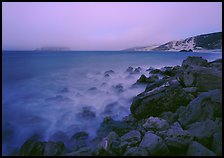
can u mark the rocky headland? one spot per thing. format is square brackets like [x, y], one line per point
[179, 113]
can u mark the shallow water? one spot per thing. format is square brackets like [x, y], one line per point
[45, 92]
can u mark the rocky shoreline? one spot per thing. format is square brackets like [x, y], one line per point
[179, 113]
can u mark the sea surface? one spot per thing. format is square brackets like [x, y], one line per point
[61, 93]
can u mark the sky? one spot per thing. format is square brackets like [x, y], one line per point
[104, 25]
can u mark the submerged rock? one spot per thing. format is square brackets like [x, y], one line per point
[53, 148]
[87, 113]
[64, 90]
[109, 72]
[119, 88]
[130, 69]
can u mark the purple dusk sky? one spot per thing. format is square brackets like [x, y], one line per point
[105, 26]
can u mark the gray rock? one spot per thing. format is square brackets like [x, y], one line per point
[156, 124]
[154, 144]
[108, 125]
[196, 149]
[169, 116]
[118, 88]
[216, 64]
[109, 145]
[59, 136]
[177, 139]
[204, 78]
[53, 148]
[190, 89]
[217, 143]
[153, 103]
[86, 113]
[85, 151]
[204, 130]
[79, 140]
[32, 147]
[130, 69]
[136, 151]
[206, 105]
[109, 72]
[132, 138]
[196, 61]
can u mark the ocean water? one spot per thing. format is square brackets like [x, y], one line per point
[50, 93]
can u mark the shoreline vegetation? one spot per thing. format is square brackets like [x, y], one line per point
[179, 113]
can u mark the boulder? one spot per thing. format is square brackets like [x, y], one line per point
[216, 64]
[53, 148]
[150, 68]
[109, 108]
[156, 124]
[130, 69]
[217, 143]
[32, 147]
[204, 130]
[137, 70]
[79, 140]
[130, 139]
[136, 151]
[198, 74]
[108, 125]
[196, 149]
[156, 71]
[109, 72]
[118, 88]
[169, 116]
[153, 85]
[154, 144]
[144, 79]
[109, 145]
[106, 75]
[64, 90]
[206, 105]
[171, 71]
[194, 61]
[159, 100]
[86, 113]
[84, 151]
[176, 139]
[59, 136]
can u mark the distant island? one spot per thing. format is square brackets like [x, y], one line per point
[52, 48]
[207, 42]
